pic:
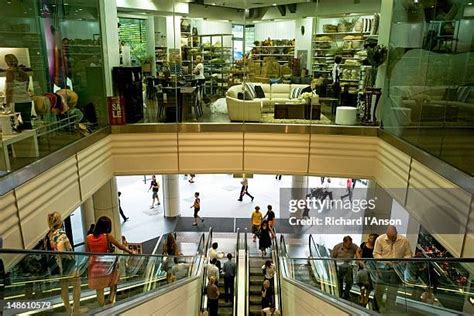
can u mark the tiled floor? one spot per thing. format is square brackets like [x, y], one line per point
[219, 194]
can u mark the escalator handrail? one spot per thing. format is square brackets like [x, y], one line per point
[236, 282]
[247, 273]
[283, 250]
[275, 257]
[310, 243]
[204, 271]
[418, 260]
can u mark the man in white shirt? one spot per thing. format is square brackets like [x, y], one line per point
[387, 246]
[212, 270]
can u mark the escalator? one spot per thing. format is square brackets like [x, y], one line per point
[32, 282]
[228, 243]
[317, 274]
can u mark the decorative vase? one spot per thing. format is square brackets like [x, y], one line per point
[369, 116]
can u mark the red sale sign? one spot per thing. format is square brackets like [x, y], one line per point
[116, 107]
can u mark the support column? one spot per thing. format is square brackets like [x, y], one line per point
[110, 40]
[150, 42]
[88, 214]
[171, 195]
[106, 204]
[299, 189]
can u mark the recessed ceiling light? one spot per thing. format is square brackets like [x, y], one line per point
[274, 4]
[80, 9]
[213, 3]
[470, 3]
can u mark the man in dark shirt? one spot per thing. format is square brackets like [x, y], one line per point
[125, 218]
[344, 250]
[154, 186]
[229, 275]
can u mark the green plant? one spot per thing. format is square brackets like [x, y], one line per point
[376, 56]
[349, 23]
[138, 51]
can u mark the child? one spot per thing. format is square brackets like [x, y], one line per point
[363, 280]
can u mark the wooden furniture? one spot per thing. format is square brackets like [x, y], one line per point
[294, 110]
[176, 103]
[24, 144]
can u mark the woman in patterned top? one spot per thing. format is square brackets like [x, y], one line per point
[58, 241]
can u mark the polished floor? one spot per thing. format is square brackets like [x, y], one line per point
[219, 205]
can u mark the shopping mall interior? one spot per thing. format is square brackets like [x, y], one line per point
[237, 157]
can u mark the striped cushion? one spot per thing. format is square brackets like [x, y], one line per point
[295, 92]
[250, 89]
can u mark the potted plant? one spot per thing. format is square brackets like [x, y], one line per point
[146, 63]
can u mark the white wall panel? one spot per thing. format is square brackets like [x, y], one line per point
[10, 224]
[335, 155]
[276, 153]
[54, 190]
[181, 301]
[297, 301]
[392, 170]
[210, 152]
[438, 209]
[95, 167]
[144, 153]
[468, 251]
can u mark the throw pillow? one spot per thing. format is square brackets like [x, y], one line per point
[259, 92]
[463, 92]
[295, 92]
[248, 87]
[248, 95]
[450, 94]
[240, 95]
[307, 89]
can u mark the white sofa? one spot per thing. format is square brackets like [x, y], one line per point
[251, 110]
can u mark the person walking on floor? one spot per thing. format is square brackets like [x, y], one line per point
[387, 246]
[155, 187]
[197, 207]
[270, 218]
[256, 221]
[326, 190]
[245, 189]
[348, 190]
[345, 250]
[229, 275]
[125, 218]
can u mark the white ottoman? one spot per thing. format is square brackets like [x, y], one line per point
[346, 115]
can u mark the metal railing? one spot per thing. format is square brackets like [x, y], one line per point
[247, 263]
[277, 281]
[236, 277]
[203, 302]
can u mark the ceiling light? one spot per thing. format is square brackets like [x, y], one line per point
[274, 4]
[213, 3]
[470, 3]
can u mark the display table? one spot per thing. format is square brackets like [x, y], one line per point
[24, 144]
[297, 110]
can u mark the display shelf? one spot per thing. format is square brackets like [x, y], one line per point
[342, 33]
[286, 46]
[278, 55]
[216, 73]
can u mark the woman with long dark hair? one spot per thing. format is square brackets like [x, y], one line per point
[265, 240]
[103, 270]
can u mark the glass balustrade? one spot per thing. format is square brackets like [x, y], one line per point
[40, 281]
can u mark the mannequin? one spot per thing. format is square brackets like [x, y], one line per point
[16, 90]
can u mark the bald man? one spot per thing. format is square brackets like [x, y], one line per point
[387, 246]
